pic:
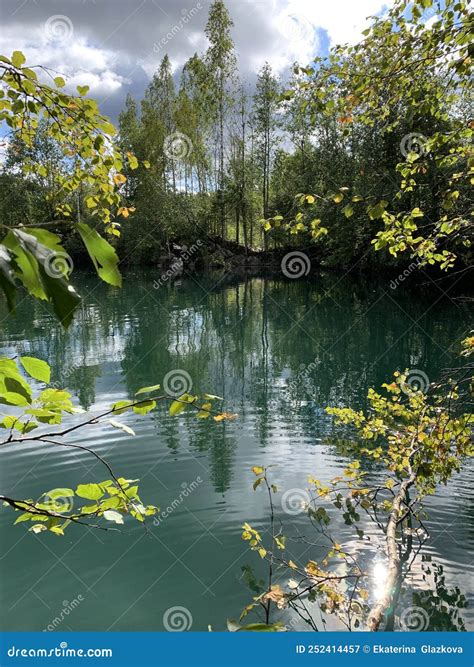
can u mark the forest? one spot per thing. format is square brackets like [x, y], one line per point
[262, 165]
[260, 288]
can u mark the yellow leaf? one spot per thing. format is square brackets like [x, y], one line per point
[257, 470]
[119, 179]
[224, 415]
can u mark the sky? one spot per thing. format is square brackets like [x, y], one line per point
[114, 46]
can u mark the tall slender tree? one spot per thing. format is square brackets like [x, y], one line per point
[159, 107]
[221, 64]
[265, 105]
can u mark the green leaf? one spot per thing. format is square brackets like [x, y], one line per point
[7, 281]
[34, 258]
[108, 128]
[348, 211]
[17, 386]
[36, 368]
[144, 407]
[62, 295]
[377, 210]
[146, 390]
[18, 59]
[121, 406]
[176, 408]
[102, 254]
[110, 503]
[59, 81]
[11, 398]
[89, 491]
[60, 493]
[26, 516]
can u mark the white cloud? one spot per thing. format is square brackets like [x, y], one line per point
[344, 20]
[112, 45]
[80, 62]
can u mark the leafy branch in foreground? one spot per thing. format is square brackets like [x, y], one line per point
[417, 442]
[111, 499]
[90, 173]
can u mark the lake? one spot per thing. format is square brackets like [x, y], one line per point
[278, 352]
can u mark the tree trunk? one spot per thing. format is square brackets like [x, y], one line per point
[378, 611]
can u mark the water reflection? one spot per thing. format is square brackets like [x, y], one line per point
[278, 352]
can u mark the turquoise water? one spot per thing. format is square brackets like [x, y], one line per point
[278, 352]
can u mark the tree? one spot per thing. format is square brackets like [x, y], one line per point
[264, 108]
[405, 79]
[196, 121]
[417, 441]
[220, 62]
